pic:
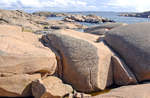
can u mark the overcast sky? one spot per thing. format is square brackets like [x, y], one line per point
[77, 5]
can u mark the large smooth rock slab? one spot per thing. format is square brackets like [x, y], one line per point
[85, 64]
[23, 53]
[132, 44]
[50, 87]
[133, 91]
[103, 28]
[17, 85]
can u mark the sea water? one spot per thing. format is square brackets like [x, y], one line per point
[110, 15]
[115, 16]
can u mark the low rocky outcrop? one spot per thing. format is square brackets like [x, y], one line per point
[85, 64]
[50, 14]
[86, 18]
[50, 87]
[53, 24]
[22, 56]
[30, 22]
[133, 91]
[20, 18]
[131, 42]
[141, 15]
[102, 28]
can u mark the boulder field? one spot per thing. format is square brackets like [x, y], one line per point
[131, 43]
[67, 63]
[88, 63]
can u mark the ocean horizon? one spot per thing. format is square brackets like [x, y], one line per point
[113, 15]
[110, 15]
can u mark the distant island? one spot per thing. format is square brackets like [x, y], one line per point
[141, 15]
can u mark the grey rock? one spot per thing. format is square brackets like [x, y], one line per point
[132, 44]
[85, 64]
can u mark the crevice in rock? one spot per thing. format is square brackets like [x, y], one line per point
[59, 69]
[90, 80]
[100, 39]
[3, 20]
[110, 75]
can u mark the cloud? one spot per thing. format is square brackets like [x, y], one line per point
[59, 5]
[136, 5]
[7, 3]
[77, 5]
[30, 3]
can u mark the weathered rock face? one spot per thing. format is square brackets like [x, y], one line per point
[132, 43]
[88, 18]
[17, 85]
[135, 91]
[122, 75]
[50, 87]
[21, 54]
[103, 28]
[86, 65]
[20, 18]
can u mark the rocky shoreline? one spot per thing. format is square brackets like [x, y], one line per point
[75, 17]
[32, 23]
[48, 59]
